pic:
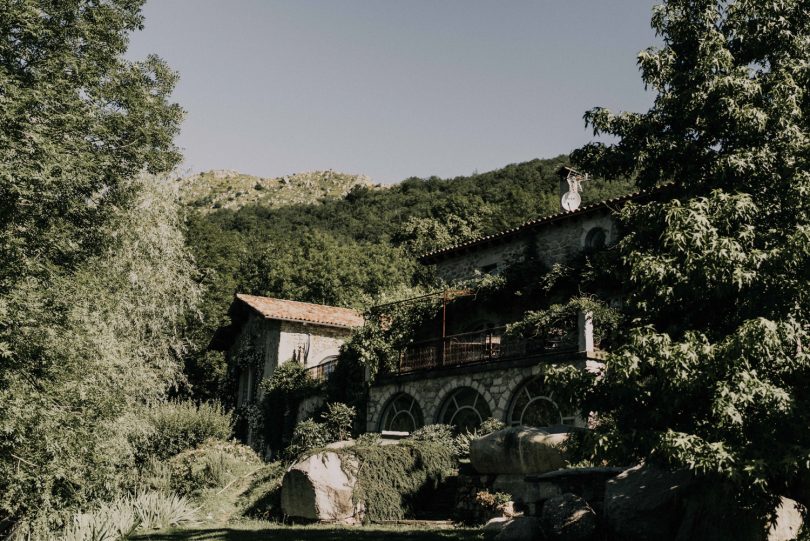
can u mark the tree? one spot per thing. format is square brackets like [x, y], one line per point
[715, 374]
[94, 274]
[77, 122]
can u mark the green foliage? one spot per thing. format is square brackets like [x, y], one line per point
[283, 391]
[389, 477]
[492, 501]
[307, 436]
[79, 122]
[177, 426]
[461, 442]
[94, 274]
[437, 433]
[262, 499]
[713, 375]
[558, 323]
[338, 420]
[88, 346]
[292, 380]
[213, 464]
[121, 518]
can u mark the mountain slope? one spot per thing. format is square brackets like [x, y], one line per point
[226, 189]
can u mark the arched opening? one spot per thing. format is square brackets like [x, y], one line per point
[402, 414]
[533, 405]
[464, 409]
[596, 238]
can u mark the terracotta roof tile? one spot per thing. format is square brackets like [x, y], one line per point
[304, 312]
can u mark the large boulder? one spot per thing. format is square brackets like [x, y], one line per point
[568, 518]
[518, 450]
[647, 503]
[321, 487]
[644, 503]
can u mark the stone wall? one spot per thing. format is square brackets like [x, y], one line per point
[497, 383]
[318, 341]
[554, 243]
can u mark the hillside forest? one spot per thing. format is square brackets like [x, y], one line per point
[350, 247]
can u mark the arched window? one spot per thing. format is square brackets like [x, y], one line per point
[596, 238]
[464, 409]
[402, 414]
[533, 405]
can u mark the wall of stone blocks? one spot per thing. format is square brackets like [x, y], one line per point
[555, 243]
[496, 385]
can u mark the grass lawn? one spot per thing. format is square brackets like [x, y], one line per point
[267, 531]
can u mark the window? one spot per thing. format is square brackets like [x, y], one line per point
[596, 238]
[402, 414]
[533, 405]
[464, 409]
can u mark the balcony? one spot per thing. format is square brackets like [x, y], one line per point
[322, 371]
[491, 345]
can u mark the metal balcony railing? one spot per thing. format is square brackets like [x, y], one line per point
[477, 347]
[322, 371]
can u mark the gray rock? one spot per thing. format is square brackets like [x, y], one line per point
[520, 529]
[647, 503]
[710, 514]
[321, 488]
[643, 503]
[518, 450]
[568, 518]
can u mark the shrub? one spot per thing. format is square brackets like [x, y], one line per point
[389, 477]
[369, 438]
[437, 433]
[213, 464]
[177, 426]
[492, 501]
[461, 442]
[338, 419]
[156, 511]
[262, 499]
[308, 435]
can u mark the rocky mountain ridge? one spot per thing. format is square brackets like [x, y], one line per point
[229, 189]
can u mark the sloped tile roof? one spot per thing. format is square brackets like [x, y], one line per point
[318, 314]
[500, 236]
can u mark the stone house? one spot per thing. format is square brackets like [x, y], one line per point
[470, 369]
[265, 333]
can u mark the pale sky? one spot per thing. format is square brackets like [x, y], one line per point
[393, 89]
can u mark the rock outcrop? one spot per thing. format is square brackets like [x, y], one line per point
[321, 488]
[647, 503]
[518, 450]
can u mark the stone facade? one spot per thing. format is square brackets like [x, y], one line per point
[272, 343]
[554, 243]
[496, 383]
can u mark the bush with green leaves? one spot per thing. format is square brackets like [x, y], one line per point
[307, 436]
[436, 433]
[177, 426]
[461, 442]
[338, 419]
[213, 464]
[391, 477]
[310, 434]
